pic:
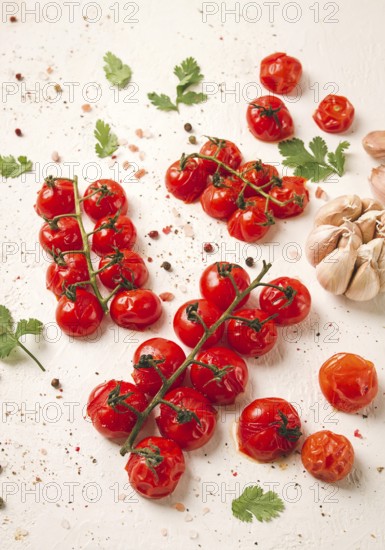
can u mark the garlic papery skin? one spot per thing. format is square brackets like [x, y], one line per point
[335, 270]
[350, 232]
[321, 241]
[381, 269]
[370, 252]
[365, 283]
[374, 144]
[336, 211]
[369, 203]
[368, 224]
[377, 182]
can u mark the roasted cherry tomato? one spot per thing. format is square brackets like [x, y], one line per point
[268, 429]
[259, 174]
[290, 188]
[56, 197]
[155, 467]
[62, 236]
[181, 422]
[249, 337]
[108, 411]
[111, 233]
[280, 73]
[189, 183]
[327, 456]
[335, 114]
[216, 286]
[157, 354]
[269, 119]
[79, 317]
[104, 198]
[65, 271]
[219, 200]
[250, 223]
[221, 387]
[135, 309]
[188, 328]
[275, 302]
[223, 150]
[349, 382]
[123, 265]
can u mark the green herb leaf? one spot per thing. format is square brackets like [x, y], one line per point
[108, 142]
[12, 168]
[116, 72]
[6, 320]
[337, 159]
[162, 102]
[191, 98]
[30, 326]
[254, 502]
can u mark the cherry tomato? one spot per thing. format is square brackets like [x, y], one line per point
[269, 119]
[248, 340]
[274, 301]
[64, 236]
[268, 429]
[250, 223]
[79, 317]
[259, 174]
[187, 184]
[291, 187]
[110, 199]
[166, 355]
[219, 200]
[225, 151]
[327, 456]
[335, 114]
[154, 477]
[216, 286]
[106, 408]
[65, 271]
[280, 73]
[111, 234]
[220, 389]
[182, 425]
[135, 309]
[189, 330]
[349, 382]
[55, 197]
[128, 265]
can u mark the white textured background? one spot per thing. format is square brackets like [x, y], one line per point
[45, 443]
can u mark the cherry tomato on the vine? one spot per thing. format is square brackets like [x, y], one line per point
[106, 408]
[155, 467]
[128, 265]
[349, 382]
[268, 428]
[335, 114]
[327, 456]
[135, 309]
[255, 339]
[219, 200]
[188, 328]
[274, 301]
[65, 271]
[216, 286]
[259, 174]
[104, 198]
[182, 424]
[224, 150]
[111, 233]
[63, 236]
[250, 223]
[290, 188]
[56, 197]
[269, 119]
[280, 73]
[81, 316]
[187, 184]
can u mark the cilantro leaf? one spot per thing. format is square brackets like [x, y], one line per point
[12, 168]
[188, 73]
[30, 326]
[6, 320]
[189, 98]
[162, 102]
[337, 159]
[254, 502]
[116, 72]
[108, 142]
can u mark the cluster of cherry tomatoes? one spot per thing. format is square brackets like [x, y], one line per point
[72, 277]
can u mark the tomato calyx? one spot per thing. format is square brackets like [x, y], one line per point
[192, 313]
[269, 112]
[219, 142]
[114, 400]
[110, 224]
[277, 182]
[50, 182]
[291, 434]
[148, 362]
[255, 324]
[183, 415]
[219, 373]
[152, 456]
[102, 191]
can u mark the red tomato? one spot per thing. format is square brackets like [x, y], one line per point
[66, 271]
[166, 355]
[182, 425]
[249, 224]
[231, 380]
[274, 301]
[248, 340]
[334, 114]
[111, 234]
[155, 467]
[79, 317]
[257, 173]
[189, 330]
[349, 382]
[128, 265]
[56, 197]
[269, 119]
[108, 412]
[135, 309]
[220, 200]
[187, 184]
[64, 237]
[327, 456]
[216, 286]
[225, 151]
[110, 199]
[280, 73]
[291, 187]
[268, 429]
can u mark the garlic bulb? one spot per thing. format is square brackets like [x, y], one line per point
[374, 144]
[365, 283]
[377, 182]
[336, 269]
[336, 211]
[321, 241]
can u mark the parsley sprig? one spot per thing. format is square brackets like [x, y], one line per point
[12, 168]
[108, 141]
[254, 502]
[116, 72]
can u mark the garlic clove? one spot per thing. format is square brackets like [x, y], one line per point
[351, 232]
[368, 224]
[321, 241]
[335, 270]
[374, 144]
[369, 203]
[365, 283]
[377, 182]
[336, 211]
[381, 269]
[370, 252]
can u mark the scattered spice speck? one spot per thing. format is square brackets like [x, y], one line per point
[166, 296]
[249, 261]
[55, 156]
[167, 230]
[187, 127]
[166, 266]
[2, 503]
[358, 434]
[180, 507]
[19, 76]
[192, 140]
[380, 469]
[208, 247]
[153, 234]
[55, 383]
[18, 132]
[139, 132]
[86, 108]
[164, 532]
[140, 173]
[133, 148]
